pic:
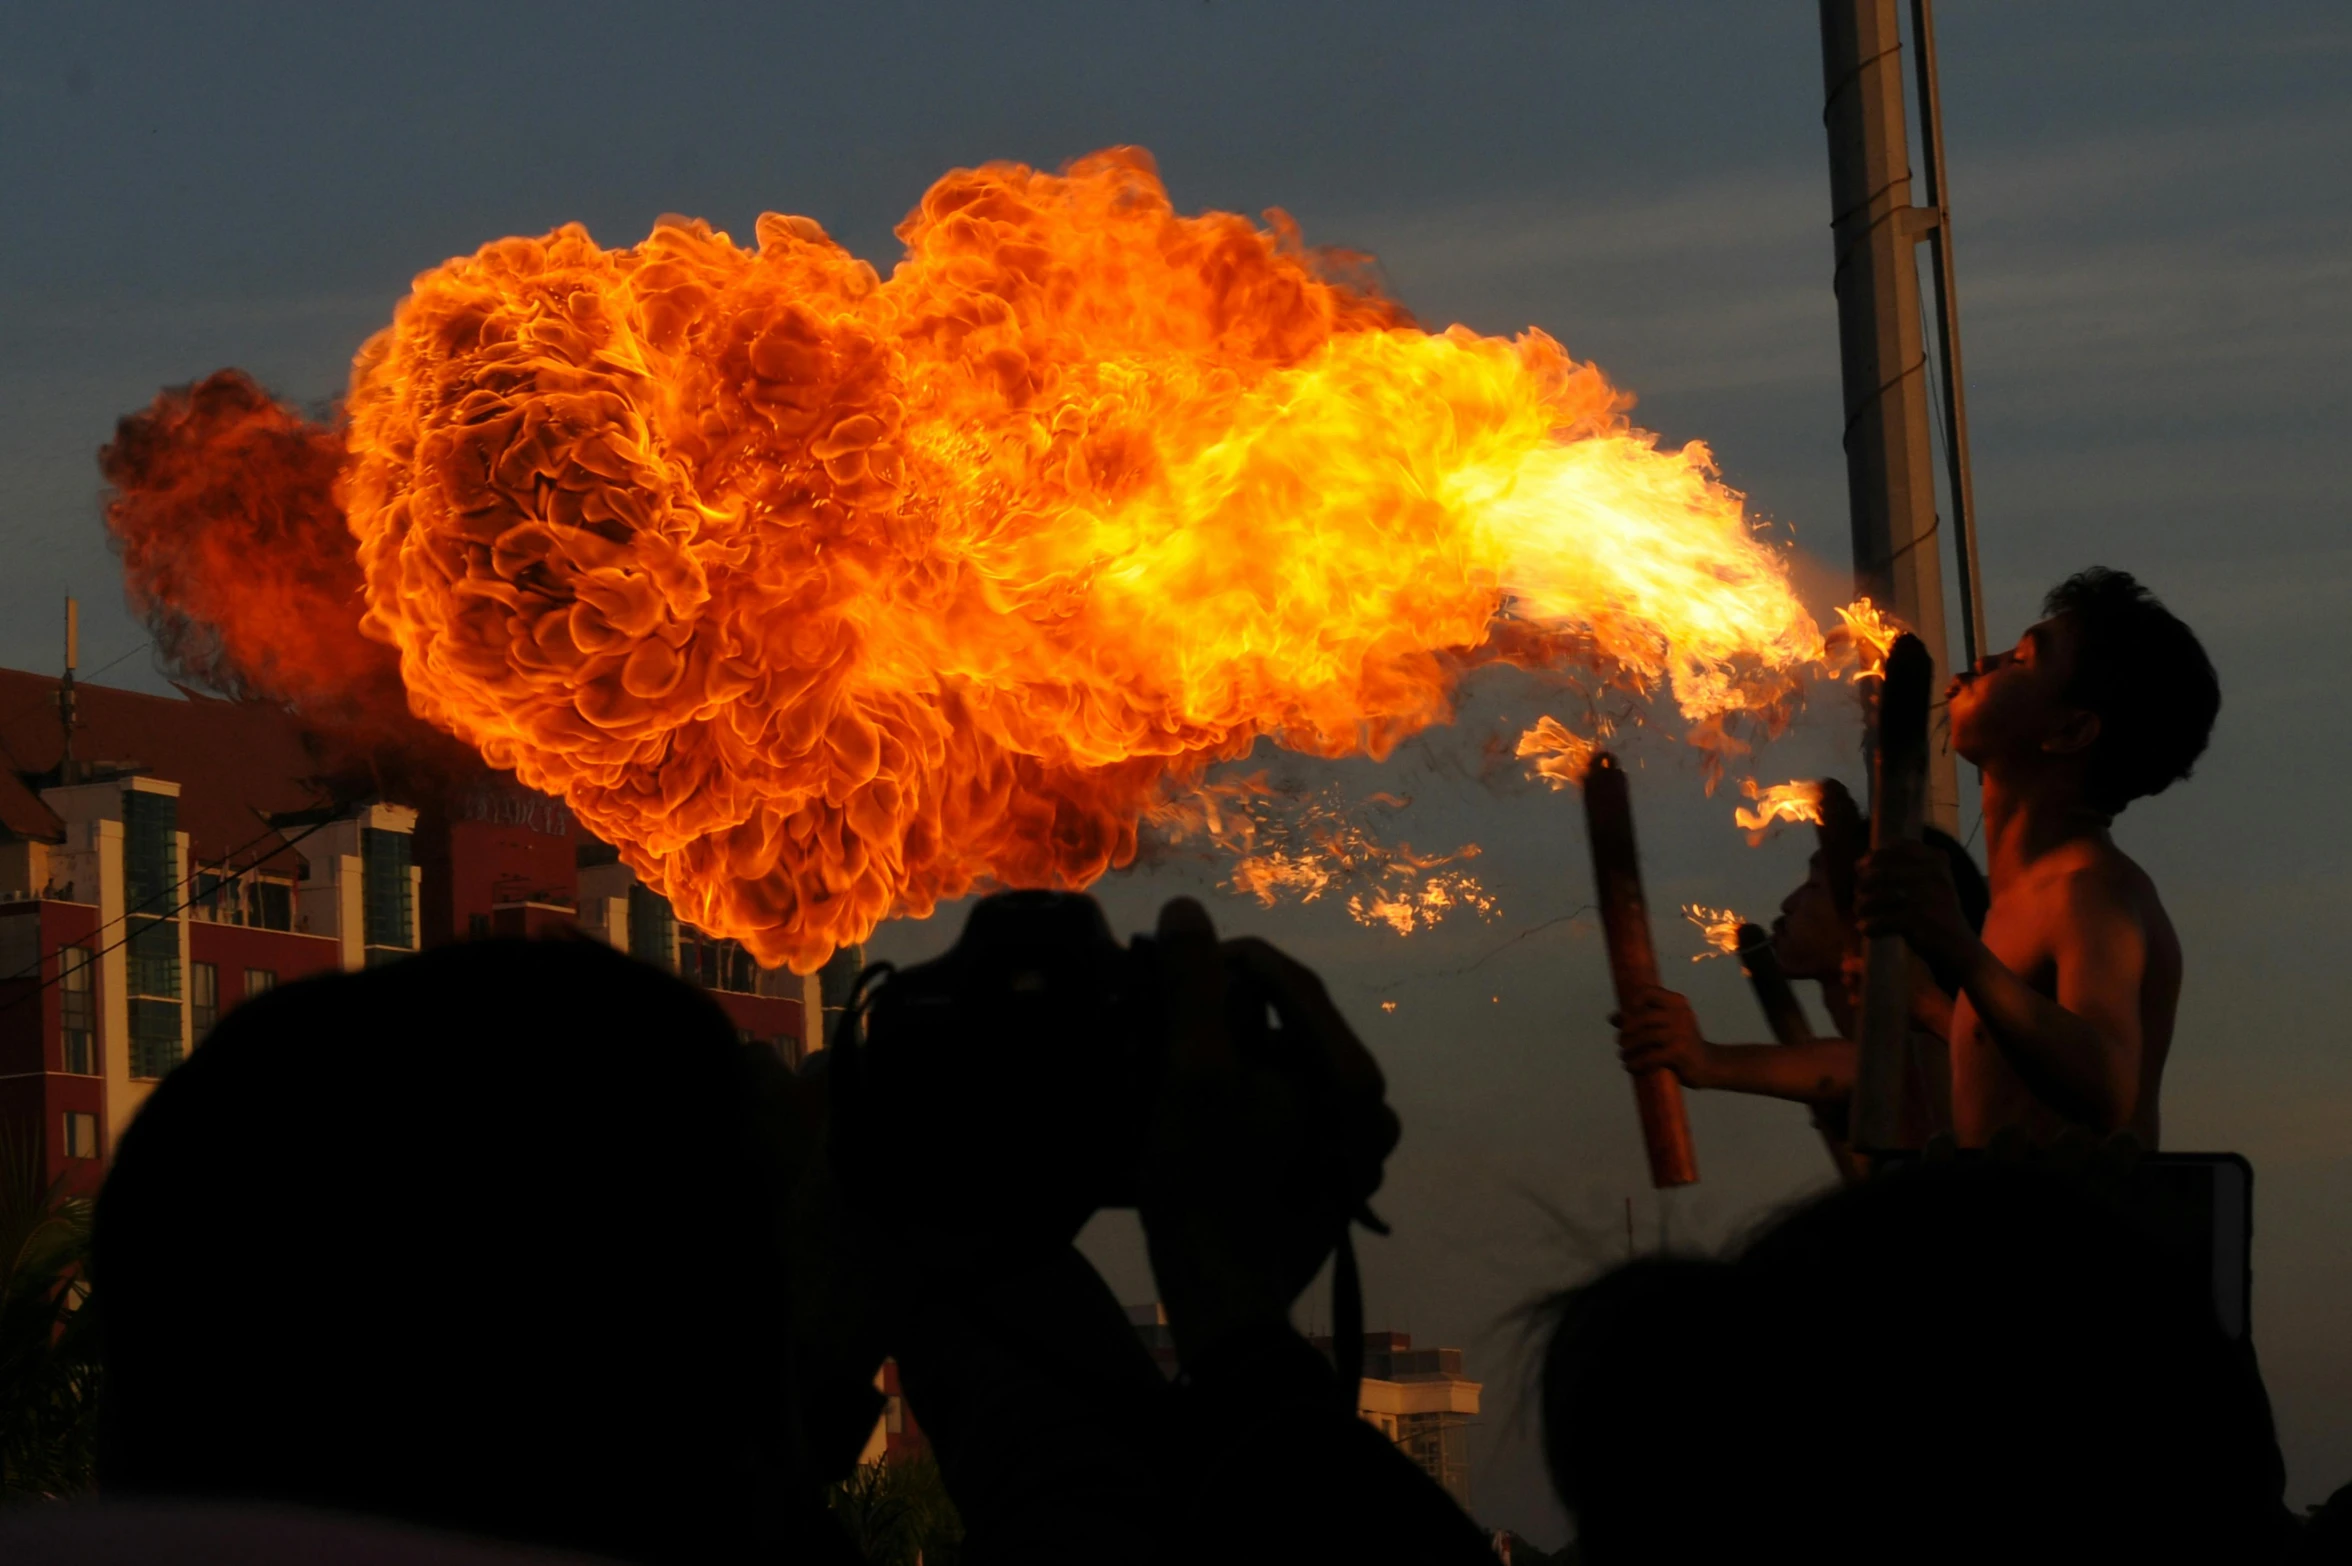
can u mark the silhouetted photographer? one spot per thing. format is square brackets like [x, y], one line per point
[515, 1241]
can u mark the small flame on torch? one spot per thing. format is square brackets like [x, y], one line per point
[1562, 755]
[1867, 633]
[1797, 801]
[1720, 926]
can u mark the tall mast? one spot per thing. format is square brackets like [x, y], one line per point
[1960, 486]
[1890, 471]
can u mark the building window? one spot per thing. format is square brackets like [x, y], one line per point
[390, 913]
[652, 929]
[155, 958]
[259, 979]
[203, 996]
[151, 850]
[215, 897]
[81, 1135]
[155, 1036]
[77, 972]
[716, 964]
[269, 904]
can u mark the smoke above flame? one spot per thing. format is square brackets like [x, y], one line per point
[826, 597]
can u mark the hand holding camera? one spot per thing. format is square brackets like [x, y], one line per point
[1038, 1071]
[1264, 1144]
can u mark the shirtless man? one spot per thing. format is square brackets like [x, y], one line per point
[1811, 940]
[2066, 1001]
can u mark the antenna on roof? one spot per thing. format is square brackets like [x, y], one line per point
[68, 771]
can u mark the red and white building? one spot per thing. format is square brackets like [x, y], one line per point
[187, 854]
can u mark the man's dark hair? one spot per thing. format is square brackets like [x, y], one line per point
[2146, 677]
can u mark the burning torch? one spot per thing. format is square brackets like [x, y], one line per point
[1633, 961]
[1898, 805]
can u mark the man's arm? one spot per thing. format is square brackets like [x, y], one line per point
[1660, 1032]
[2078, 1052]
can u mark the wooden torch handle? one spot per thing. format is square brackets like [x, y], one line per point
[1633, 962]
[1898, 813]
[1786, 1017]
[1782, 1012]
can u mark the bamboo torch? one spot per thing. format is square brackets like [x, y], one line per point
[1633, 962]
[1782, 1013]
[1898, 807]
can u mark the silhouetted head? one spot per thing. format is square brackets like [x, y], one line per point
[1812, 939]
[1635, 1410]
[2108, 681]
[1962, 1361]
[1810, 935]
[488, 1239]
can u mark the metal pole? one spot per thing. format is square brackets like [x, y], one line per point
[1890, 469]
[1947, 299]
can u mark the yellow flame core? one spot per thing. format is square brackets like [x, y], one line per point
[826, 597]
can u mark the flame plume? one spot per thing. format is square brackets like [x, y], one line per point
[826, 597]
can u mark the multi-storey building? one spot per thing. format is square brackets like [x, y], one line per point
[1418, 1398]
[183, 854]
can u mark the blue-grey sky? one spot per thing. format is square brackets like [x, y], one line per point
[2156, 265]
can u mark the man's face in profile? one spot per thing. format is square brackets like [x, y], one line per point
[2016, 702]
[1809, 937]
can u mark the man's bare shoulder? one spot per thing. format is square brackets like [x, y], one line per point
[2092, 880]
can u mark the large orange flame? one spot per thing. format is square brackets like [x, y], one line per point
[826, 597]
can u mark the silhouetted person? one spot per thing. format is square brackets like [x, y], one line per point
[491, 1240]
[1057, 1433]
[514, 1239]
[2067, 1000]
[1959, 1361]
[1812, 940]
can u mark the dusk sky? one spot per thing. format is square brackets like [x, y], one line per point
[2153, 213]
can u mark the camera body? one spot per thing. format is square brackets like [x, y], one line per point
[1013, 1081]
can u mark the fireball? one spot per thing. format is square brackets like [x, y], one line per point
[826, 596]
